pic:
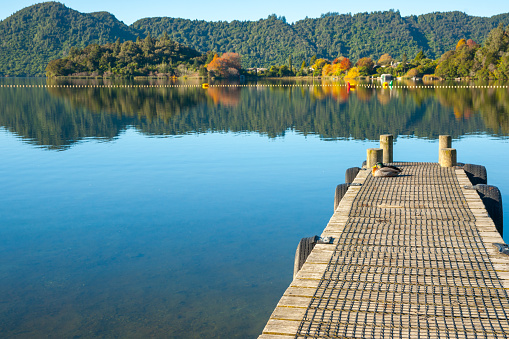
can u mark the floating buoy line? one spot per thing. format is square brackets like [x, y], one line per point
[206, 86]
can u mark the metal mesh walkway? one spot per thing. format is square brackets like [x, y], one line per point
[409, 263]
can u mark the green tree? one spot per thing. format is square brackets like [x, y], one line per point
[313, 59]
[404, 60]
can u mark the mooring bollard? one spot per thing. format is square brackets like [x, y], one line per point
[444, 141]
[374, 155]
[386, 145]
[448, 157]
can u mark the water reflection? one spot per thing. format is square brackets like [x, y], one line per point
[191, 237]
[58, 117]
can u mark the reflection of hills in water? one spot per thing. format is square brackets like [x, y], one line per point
[59, 116]
[43, 120]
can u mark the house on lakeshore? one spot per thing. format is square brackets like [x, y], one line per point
[386, 77]
[257, 70]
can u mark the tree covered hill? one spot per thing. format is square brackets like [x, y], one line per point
[271, 41]
[261, 43]
[35, 35]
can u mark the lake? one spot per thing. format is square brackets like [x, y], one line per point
[175, 212]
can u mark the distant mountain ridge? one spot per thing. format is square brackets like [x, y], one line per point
[33, 36]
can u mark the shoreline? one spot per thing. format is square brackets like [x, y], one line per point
[254, 78]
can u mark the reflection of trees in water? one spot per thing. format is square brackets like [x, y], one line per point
[148, 103]
[491, 103]
[41, 119]
[59, 116]
[229, 96]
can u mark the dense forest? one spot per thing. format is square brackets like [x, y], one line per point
[153, 57]
[33, 36]
[271, 41]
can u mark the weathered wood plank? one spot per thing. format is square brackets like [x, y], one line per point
[413, 256]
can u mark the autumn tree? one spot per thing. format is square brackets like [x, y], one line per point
[385, 60]
[318, 66]
[414, 72]
[352, 73]
[218, 66]
[461, 43]
[365, 66]
[471, 43]
[459, 62]
[327, 70]
[228, 65]
[345, 64]
[232, 60]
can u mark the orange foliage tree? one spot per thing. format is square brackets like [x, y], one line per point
[228, 65]
[338, 60]
[345, 64]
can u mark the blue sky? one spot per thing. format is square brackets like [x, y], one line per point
[129, 11]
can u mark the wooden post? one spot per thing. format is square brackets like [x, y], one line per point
[447, 157]
[444, 141]
[374, 155]
[386, 144]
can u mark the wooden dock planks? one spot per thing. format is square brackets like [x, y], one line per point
[412, 257]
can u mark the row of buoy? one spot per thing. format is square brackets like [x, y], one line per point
[431, 86]
[205, 86]
[157, 86]
[164, 86]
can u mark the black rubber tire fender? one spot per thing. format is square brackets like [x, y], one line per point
[350, 174]
[304, 248]
[476, 174]
[492, 200]
[340, 192]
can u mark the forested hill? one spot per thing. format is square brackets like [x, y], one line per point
[271, 41]
[35, 35]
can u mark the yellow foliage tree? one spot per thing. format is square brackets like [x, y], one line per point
[336, 69]
[327, 70]
[319, 63]
[460, 43]
[352, 73]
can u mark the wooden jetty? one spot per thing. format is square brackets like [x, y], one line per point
[412, 257]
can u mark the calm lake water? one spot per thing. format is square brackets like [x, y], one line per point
[175, 212]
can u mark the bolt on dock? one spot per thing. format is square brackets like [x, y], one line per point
[412, 256]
